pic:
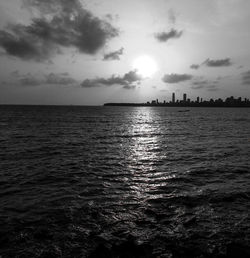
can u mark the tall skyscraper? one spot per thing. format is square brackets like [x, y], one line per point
[184, 97]
[173, 97]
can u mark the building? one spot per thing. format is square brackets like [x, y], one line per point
[184, 97]
[173, 97]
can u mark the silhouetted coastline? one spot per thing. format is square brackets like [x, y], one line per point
[199, 102]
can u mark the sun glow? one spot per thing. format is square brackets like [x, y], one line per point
[145, 66]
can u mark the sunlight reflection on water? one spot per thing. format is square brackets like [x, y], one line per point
[146, 152]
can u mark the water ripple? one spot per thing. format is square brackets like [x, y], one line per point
[124, 182]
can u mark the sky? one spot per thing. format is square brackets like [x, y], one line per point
[90, 52]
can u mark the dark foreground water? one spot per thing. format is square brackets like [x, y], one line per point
[124, 182]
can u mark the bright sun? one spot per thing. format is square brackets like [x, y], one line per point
[145, 66]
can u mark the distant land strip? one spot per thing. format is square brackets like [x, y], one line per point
[175, 105]
[187, 102]
[228, 102]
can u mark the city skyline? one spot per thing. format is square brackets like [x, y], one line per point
[199, 99]
[185, 102]
[80, 52]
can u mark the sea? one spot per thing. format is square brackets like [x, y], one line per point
[124, 182]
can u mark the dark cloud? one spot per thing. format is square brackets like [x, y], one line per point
[132, 77]
[18, 42]
[165, 36]
[175, 78]
[218, 63]
[113, 55]
[195, 66]
[52, 6]
[128, 81]
[62, 23]
[246, 78]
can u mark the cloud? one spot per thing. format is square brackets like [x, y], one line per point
[195, 66]
[200, 83]
[197, 87]
[15, 74]
[113, 55]
[132, 76]
[128, 81]
[165, 36]
[172, 16]
[111, 17]
[175, 78]
[20, 43]
[129, 87]
[218, 62]
[97, 82]
[59, 79]
[246, 78]
[49, 79]
[205, 84]
[60, 24]
[212, 87]
[29, 80]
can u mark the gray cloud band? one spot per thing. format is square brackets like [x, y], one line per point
[165, 36]
[128, 81]
[175, 78]
[218, 62]
[113, 55]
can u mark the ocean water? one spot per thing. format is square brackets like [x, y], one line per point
[124, 182]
